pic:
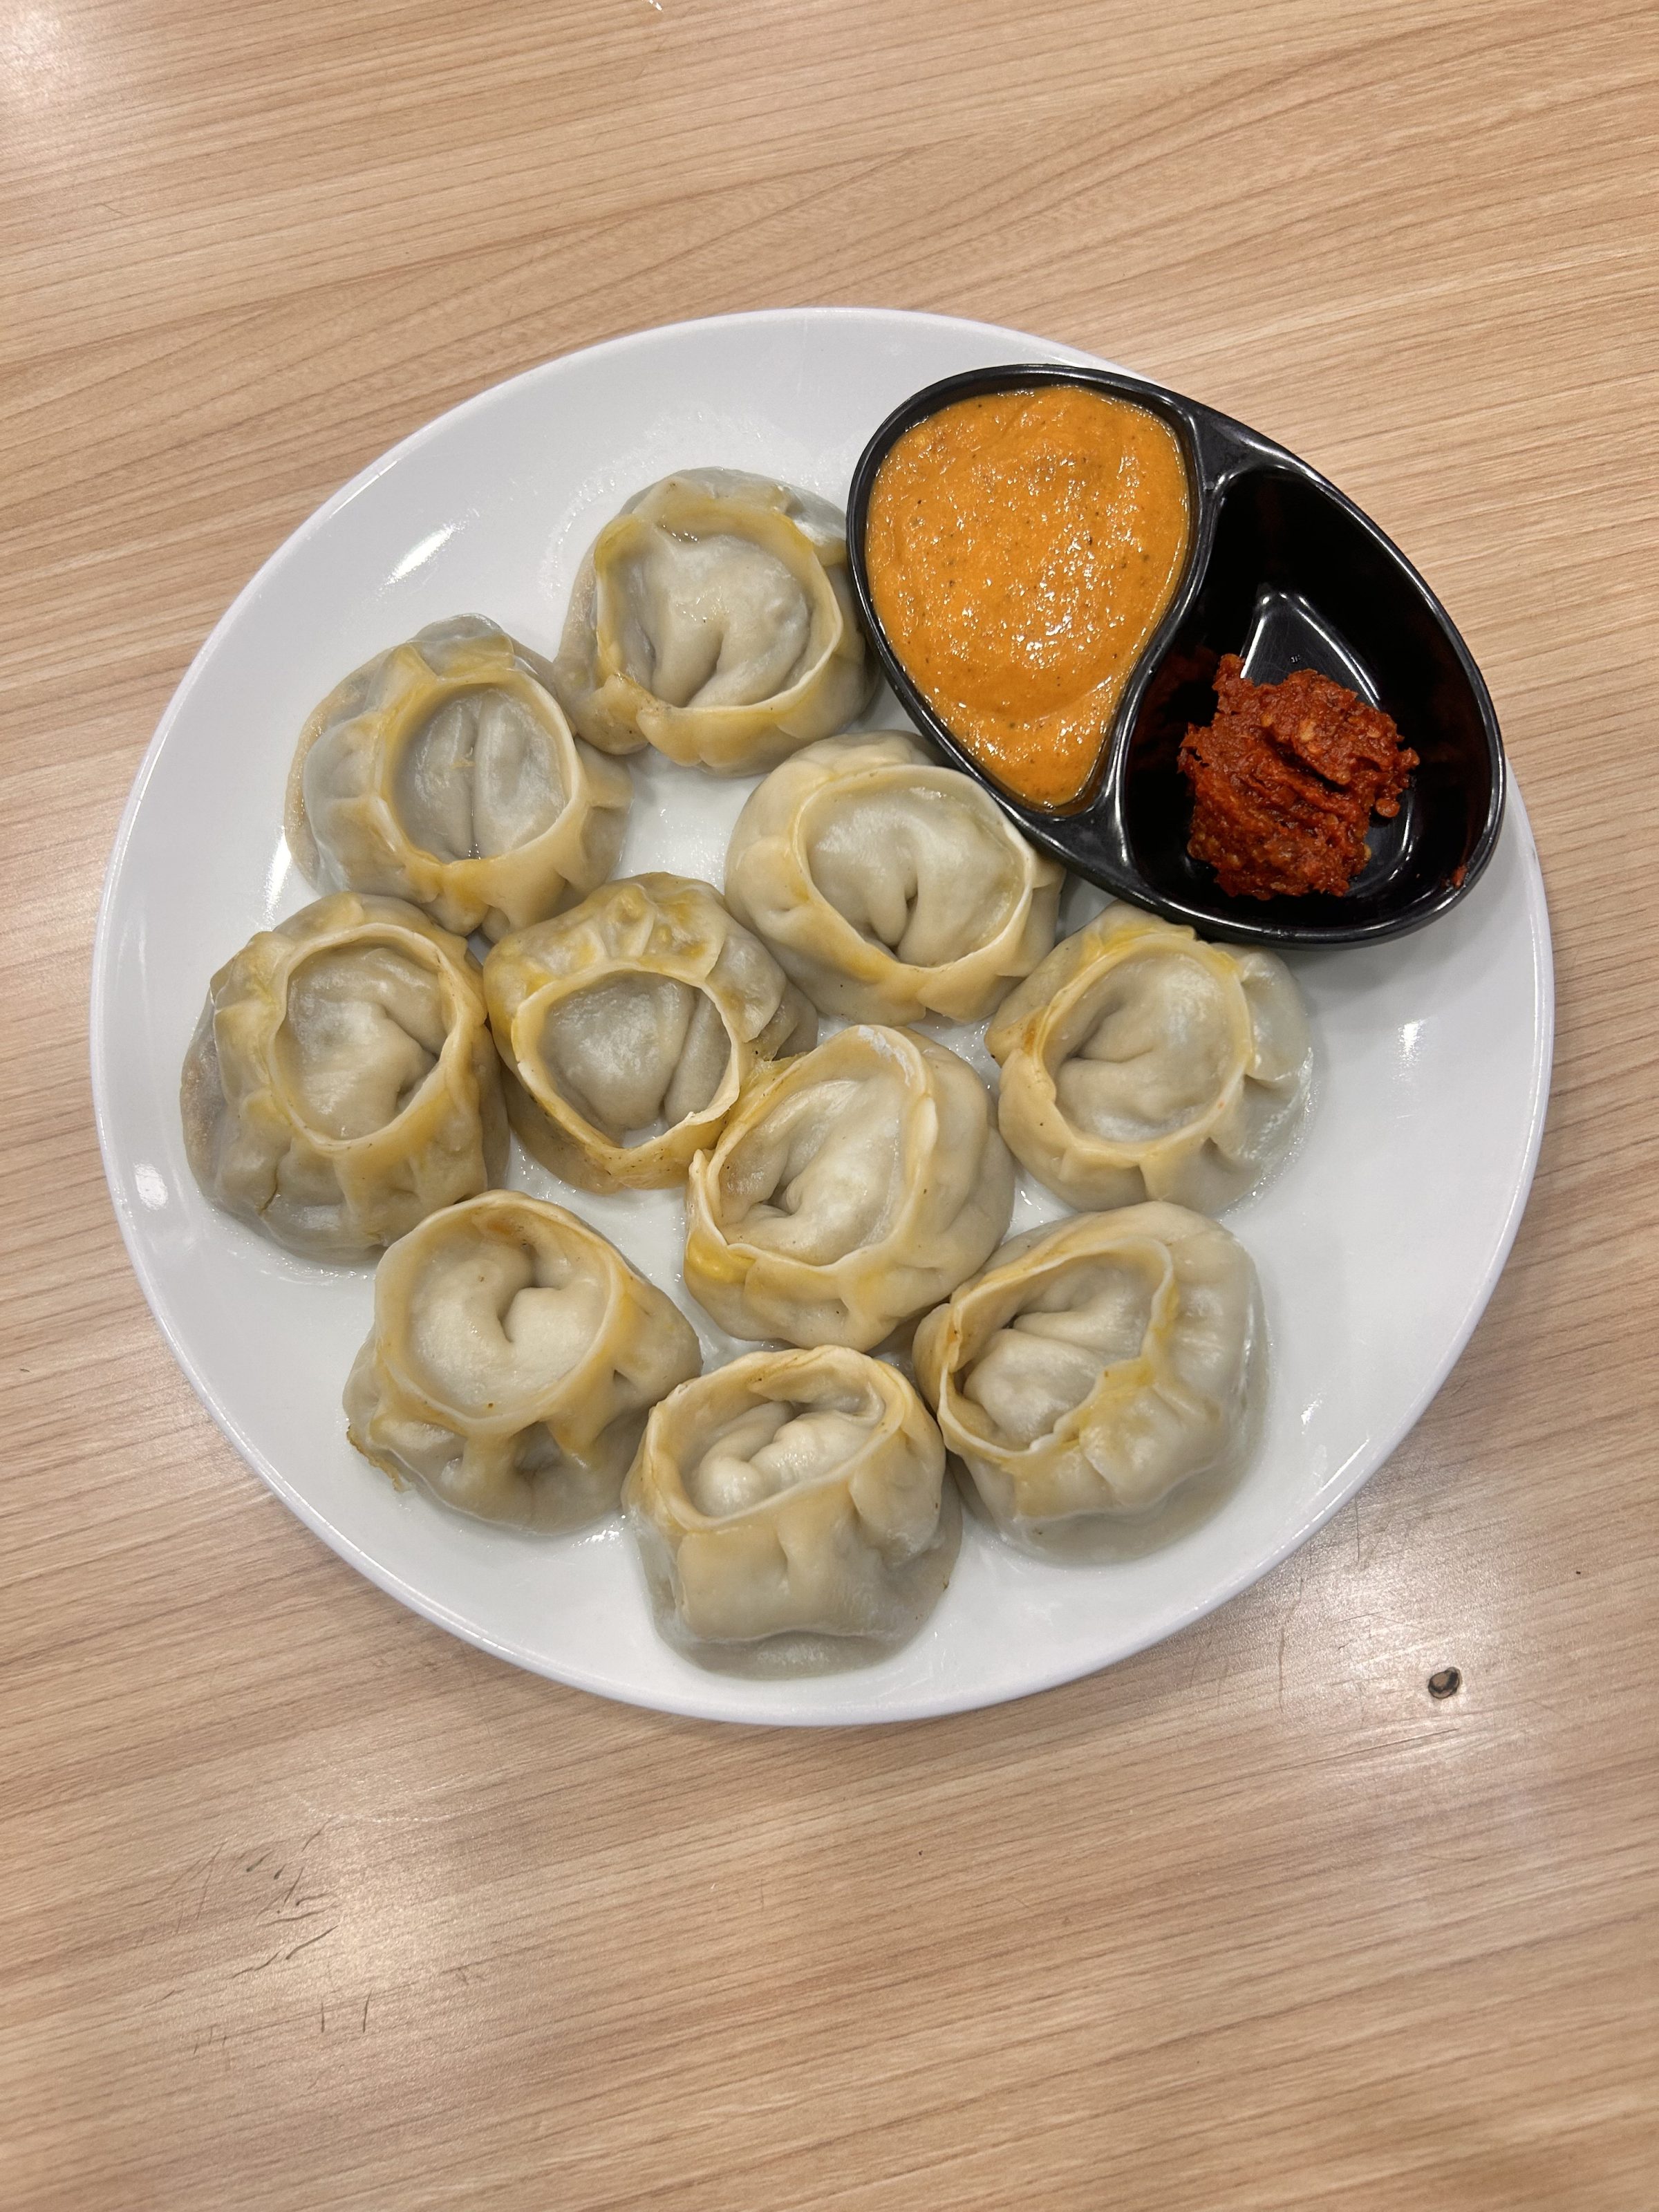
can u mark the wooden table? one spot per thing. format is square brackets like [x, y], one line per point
[307, 1905]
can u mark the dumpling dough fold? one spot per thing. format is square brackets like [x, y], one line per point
[628, 1026]
[796, 1502]
[713, 619]
[1139, 1062]
[1094, 1367]
[341, 1083]
[849, 1189]
[444, 771]
[514, 1356]
[888, 885]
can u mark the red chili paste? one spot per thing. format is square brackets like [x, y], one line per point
[1286, 781]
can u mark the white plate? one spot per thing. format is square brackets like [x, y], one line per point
[1378, 1246]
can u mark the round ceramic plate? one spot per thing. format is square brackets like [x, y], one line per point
[1378, 1244]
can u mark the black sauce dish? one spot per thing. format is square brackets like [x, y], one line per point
[1285, 572]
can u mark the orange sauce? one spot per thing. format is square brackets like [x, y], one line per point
[1021, 550]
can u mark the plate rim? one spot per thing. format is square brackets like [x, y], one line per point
[923, 1706]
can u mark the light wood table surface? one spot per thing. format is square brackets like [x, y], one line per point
[306, 1905]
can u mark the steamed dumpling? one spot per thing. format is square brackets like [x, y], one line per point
[849, 1190]
[341, 1083]
[444, 771]
[1139, 1062]
[712, 618]
[631, 1024]
[514, 1357]
[1094, 1367]
[794, 1504]
[888, 885]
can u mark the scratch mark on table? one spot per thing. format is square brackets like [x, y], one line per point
[1284, 1631]
[206, 1879]
[259, 1969]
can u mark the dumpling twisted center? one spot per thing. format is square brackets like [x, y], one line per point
[770, 1449]
[364, 1026]
[1156, 1047]
[711, 622]
[1050, 1357]
[917, 869]
[635, 1054]
[480, 777]
[497, 1322]
[817, 1177]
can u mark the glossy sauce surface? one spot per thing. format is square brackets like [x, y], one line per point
[1022, 548]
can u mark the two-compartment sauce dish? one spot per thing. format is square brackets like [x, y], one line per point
[1180, 659]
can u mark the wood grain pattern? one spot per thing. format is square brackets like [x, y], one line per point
[305, 1904]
